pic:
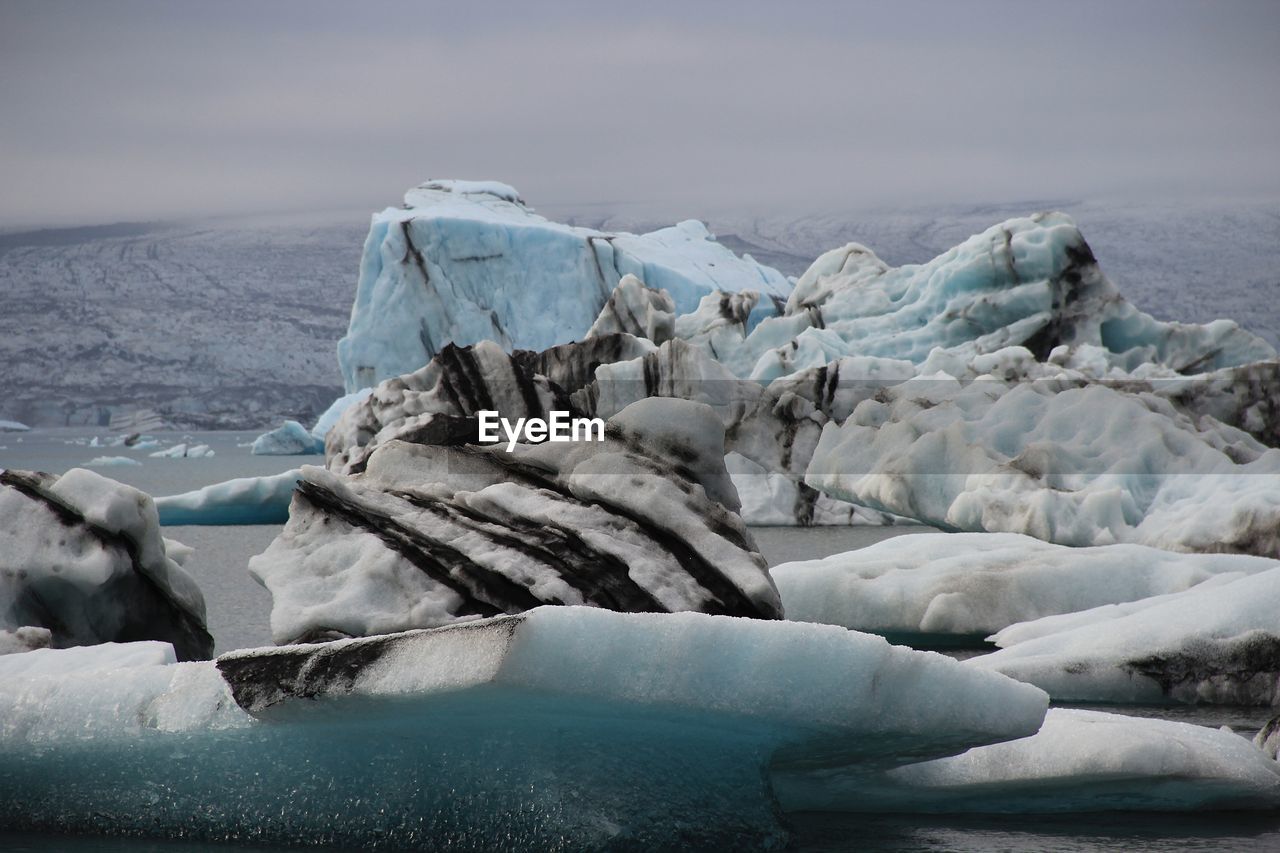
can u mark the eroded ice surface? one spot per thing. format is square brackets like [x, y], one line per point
[1219, 642]
[930, 588]
[82, 556]
[1063, 460]
[431, 532]
[1079, 761]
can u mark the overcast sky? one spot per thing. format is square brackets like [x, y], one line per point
[115, 111]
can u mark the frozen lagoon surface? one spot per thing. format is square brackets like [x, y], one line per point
[239, 608]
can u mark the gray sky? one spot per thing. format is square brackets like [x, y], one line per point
[116, 111]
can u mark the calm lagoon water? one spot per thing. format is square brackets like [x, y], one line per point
[238, 612]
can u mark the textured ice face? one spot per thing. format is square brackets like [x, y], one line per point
[1216, 643]
[82, 556]
[436, 531]
[463, 266]
[1079, 761]
[947, 588]
[1063, 460]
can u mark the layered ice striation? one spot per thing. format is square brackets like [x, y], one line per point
[467, 265]
[562, 727]
[946, 589]
[1062, 459]
[425, 533]
[1079, 761]
[1218, 642]
[81, 556]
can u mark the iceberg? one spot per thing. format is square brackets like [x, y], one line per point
[424, 534]
[468, 265]
[1067, 461]
[1030, 282]
[289, 439]
[636, 309]
[182, 451]
[244, 500]
[13, 426]
[1214, 643]
[82, 557]
[111, 461]
[559, 727]
[1079, 761]
[944, 589]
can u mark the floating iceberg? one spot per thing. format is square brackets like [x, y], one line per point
[464, 266]
[1063, 460]
[111, 461]
[290, 439]
[561, 727]
[181, 451]
[82, 556]
[245, 500]
[423, 534]
[1030, 282]
[956, 588]
[1215, 643]
[13, 426]
[1079, 761]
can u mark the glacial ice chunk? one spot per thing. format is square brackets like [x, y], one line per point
[560, 727]
[947, 588]
[244, 500]
[82, 556]
[1079, 761]
[468, 266]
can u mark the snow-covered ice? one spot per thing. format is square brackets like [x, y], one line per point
[244, 500]
[942, 588]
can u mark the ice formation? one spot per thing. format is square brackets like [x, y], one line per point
[289, 439]
[1064, 460]
[111, 461]
[244, 500]
[560, 727]
[427, 533]
[13, 426]
[636, 309]
[426, 405]
[1079, 761]
[1214, 643]
[82, 556]
[1030, 282]
[461, 267]
[182, 450]
[957, 588]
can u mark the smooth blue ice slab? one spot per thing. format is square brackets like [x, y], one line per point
[244, 500]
